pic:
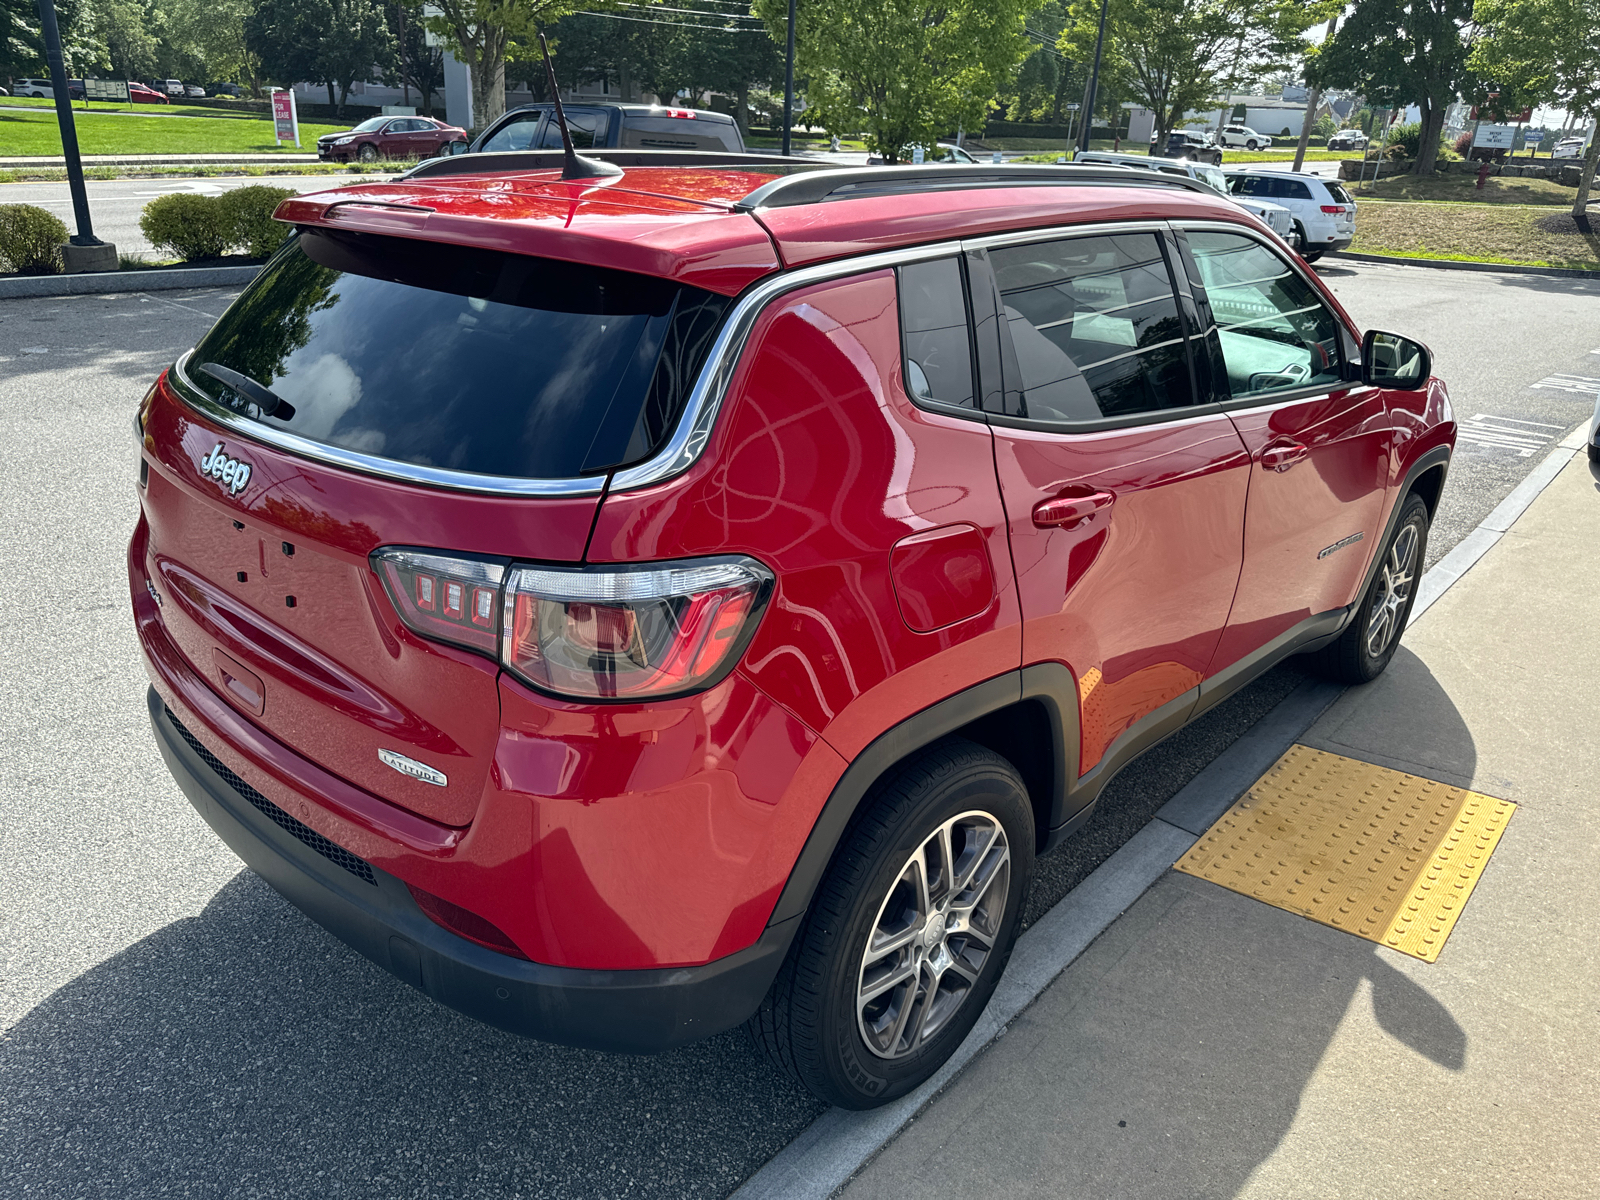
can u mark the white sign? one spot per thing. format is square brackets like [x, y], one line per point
[106, 89]
[1494, 137]
[918, 156]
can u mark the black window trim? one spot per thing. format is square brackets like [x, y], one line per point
[1059, 233]
[1350, 365]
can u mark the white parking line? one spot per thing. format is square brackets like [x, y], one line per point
[1507, 433]
[1581, 384]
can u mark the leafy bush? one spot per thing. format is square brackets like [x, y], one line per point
[30, 240]
[247, 215]
[1464, 144]
[188, 225]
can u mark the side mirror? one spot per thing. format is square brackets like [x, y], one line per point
[1391, 361]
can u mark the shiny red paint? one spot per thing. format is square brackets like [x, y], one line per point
[1319, 474]
[1133, 596]
[819, 465]
[695, 239]
[941, 576]
[916, 554]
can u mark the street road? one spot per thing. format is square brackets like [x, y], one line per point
[115, 204]
[168, 1025]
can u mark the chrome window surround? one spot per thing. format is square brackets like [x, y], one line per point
[676, 455]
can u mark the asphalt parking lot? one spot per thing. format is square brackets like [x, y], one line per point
[170, 1027]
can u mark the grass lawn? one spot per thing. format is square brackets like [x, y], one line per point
[1527, 235]
[1464, 188]
[1282, 154]
[176, 108]
[26, 133]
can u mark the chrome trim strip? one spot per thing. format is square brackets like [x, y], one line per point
[681, 450]
[367, 464]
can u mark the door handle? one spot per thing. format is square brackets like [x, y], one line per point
[1063, 512]
[1280, 456]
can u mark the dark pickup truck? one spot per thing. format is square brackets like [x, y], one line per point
[636, 126]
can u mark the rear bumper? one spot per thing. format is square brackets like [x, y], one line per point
[1339, 242]
[372, 912]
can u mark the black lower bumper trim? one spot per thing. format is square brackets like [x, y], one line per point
[636, 1012]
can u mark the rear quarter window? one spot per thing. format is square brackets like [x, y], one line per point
[463, 359]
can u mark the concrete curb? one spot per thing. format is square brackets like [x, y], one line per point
[97, 283]
[1444, 264]
[839, 1143]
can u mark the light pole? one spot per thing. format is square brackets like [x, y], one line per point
[1087, 116]
[788, 82]
[83, 251]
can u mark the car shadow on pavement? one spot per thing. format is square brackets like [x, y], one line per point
[1174, 1056]
[245, 1051]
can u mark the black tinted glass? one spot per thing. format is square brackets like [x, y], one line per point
[518, 135]
[933, 315]
[1095, 326]
[586, 127]
[464, 359]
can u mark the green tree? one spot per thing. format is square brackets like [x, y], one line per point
[332, 42]
[214, 33]
[415, 63]
[1398, 52]
[487, 34]
[1549, 49]
[22, 46]
[903, 71]
[1176, 55]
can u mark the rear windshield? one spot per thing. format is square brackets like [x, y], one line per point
[680, 133]
[462, 359]
[1339, 194]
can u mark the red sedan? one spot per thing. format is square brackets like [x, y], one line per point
[139, 94]
[392, 137]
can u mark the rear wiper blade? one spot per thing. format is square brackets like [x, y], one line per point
[268, 401]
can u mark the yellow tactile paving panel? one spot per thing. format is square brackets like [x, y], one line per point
[1386, 856]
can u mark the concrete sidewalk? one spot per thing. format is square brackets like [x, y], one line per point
[1210, 1045]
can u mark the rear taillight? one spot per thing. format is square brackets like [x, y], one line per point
[446, 597]
[1335, 209]
[632, 632]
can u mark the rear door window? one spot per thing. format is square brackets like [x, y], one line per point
[520, 134]
[462, 359]
[587, 127]
[1276, 333]
[1095, 327]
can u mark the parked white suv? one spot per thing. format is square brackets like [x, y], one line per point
[1276, 217]
[1324, 213]
[1243, 135]
[39, 89]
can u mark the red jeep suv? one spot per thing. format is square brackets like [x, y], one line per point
[629, 607]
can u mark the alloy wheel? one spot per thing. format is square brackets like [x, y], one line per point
[1394, 590]
[933, 934]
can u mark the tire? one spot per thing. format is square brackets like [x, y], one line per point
[1386, 605]
[1313, 255]
[1250, 145]
[812, 1023]
[367, 153]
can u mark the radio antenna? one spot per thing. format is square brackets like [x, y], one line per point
[576, 166]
